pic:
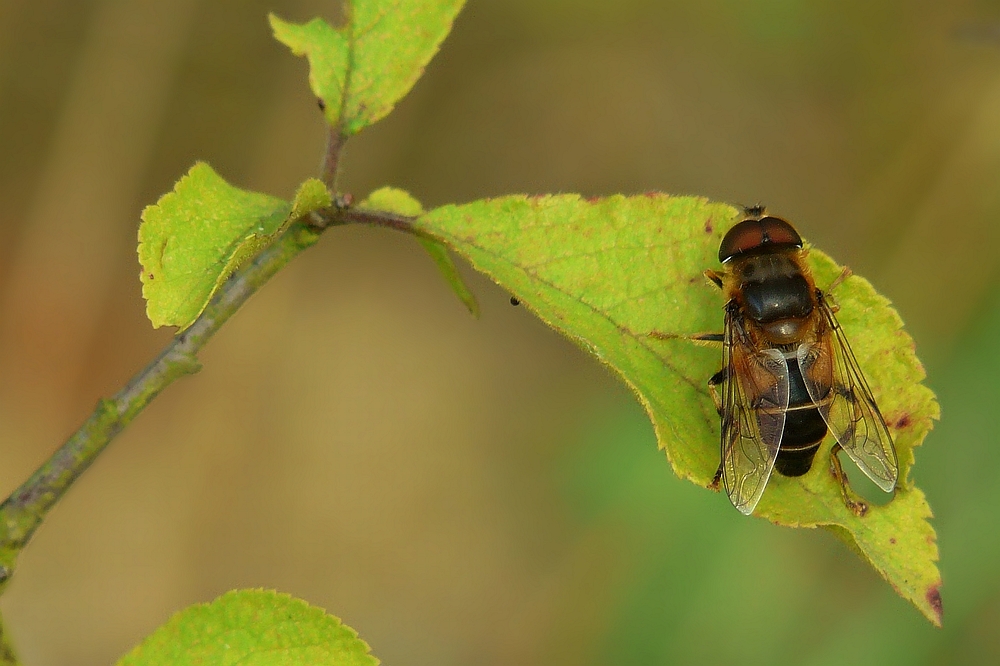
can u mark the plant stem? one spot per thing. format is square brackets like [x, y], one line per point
[331, 161]
[380, 218]
[23, 511]
[7, 656]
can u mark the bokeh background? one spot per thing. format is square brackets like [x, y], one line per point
[483, 492]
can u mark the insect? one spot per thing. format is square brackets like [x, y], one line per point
[788, 373]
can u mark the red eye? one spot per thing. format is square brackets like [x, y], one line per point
[751, 234]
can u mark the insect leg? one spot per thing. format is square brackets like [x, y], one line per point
[844, 274]
[859, 508]
[714, 381]
[697, 338]
[717, 478]
[716, 278]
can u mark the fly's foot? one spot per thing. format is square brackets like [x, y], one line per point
[716, 479]
[858, 507]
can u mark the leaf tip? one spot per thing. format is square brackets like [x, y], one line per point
[933, 598]
[473, 305]
[279, 27]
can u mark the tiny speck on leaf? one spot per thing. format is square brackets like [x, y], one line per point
[514, 301]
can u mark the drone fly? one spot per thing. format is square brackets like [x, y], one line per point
[788, 374]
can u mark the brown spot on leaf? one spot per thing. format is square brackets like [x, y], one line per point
[150, 276]
[708, 226]
[592, 200]
[903, 422]
[892, 540]
[934, 599]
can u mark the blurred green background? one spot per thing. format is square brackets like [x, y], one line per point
[483, 492]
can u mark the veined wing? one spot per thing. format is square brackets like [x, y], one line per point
[754, 403]
[836, 384]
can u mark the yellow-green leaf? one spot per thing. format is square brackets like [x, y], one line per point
[312, 195]
[393, 200]
[623, 278]
[252, 627]
[361, 69]
[400, 202]
[197, 235]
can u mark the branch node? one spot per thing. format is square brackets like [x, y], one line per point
[184, 362]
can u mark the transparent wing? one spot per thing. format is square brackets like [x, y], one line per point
[755, 399]
[838, 387]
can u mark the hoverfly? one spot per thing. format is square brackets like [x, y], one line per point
[788, 374]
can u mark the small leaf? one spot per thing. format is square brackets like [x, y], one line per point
[196, 236]
[312, 195]
[397, 201]
[449, 271]
[252, 627]
[363, 68]
[393, 200]
[623, 278]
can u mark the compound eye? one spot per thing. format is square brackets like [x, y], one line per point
[752, 234]
[780, 232]
[746, 235]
